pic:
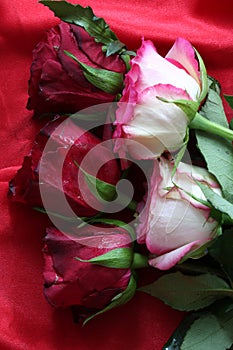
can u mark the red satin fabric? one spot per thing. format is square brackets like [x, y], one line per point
[27, 321]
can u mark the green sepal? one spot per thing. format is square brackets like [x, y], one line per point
[105, 80]
[100, 117]
[114, 47]
[120, 258]
[181, 153]
[202, 250]
[189, 107]
[126, 58]
[118, 223]
[203, 76]
[130, 53]
[73, 219]
[139, 261]
[200, 200]
[106, 190]
[119, 299]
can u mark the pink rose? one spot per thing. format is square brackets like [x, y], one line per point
[88, 287]
[25, 186]
[57, 83]
[172, 223]
[144, 118]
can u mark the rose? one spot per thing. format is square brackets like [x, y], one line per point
[25, 186]
[142, 115]
[173, 223]
[87, 286]
[57, 83]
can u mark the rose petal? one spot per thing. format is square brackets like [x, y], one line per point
[71, 92]
[174, 223]
[25, 186]
[185, 178]
[169, 223]
[155, 69]
[183, 52]
[170, 259]
[157, 125]
[71, 282]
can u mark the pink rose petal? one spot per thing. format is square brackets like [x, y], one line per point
[183, 52]
[170, 259]
[155, 69]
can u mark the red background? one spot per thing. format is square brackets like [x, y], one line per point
[27, 321]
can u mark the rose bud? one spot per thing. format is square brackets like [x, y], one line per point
[57, 83]
[144, 115]
[25, 186]
[89, 287]
[175, 220]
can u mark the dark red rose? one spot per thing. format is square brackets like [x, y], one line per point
[57, 83]
[88, 287]
[25, 186]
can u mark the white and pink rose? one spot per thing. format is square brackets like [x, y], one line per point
[173, 222]
[143, 115]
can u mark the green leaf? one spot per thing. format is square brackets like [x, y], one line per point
[105, 80]
[114, 47]
[216, 200]
[119, 299]
[213, 107]
[85, 18]
[188, 293]
[222, 251]
[210, 332]
[106, 190]
[216, 150]
[229, 100]
[214, 84]
[120, 258]
[176, 339]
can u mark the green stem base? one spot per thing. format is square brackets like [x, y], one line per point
[139, 261]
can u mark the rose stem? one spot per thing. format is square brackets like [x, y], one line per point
[139, 261]
[201, 123]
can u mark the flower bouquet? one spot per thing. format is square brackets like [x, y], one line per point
[133, 167]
